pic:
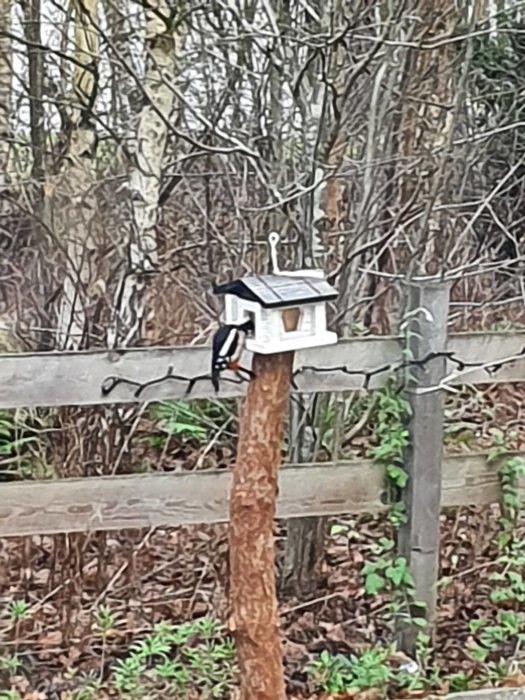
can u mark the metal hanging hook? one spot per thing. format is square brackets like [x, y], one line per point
[273, 241]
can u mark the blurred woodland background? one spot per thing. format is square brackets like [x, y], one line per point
[147, 148]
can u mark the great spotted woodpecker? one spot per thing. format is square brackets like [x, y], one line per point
[228, 344]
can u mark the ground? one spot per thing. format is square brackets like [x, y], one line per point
[179, 575]
[83, 601]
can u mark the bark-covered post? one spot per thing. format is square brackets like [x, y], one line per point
[254, 612]
[287, 312]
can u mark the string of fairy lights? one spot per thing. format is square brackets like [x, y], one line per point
[461, 367]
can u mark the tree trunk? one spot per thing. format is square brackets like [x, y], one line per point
[36, 89]
[306, 537]
[6, 74]
[304, 555]
[163, 45]
[254, 613]
[429, 90]
[73, 197]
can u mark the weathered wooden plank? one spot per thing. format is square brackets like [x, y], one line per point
[96, 503]
[419, 535]
[76, 378]
[166, 500]
[469, 480]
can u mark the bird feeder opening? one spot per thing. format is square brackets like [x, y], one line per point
[291, 319]
[250, 316]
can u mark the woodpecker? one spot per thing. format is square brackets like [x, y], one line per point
[227, 346]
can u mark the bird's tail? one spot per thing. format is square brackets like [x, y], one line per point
[215, 373]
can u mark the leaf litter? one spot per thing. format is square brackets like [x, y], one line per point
[149, 577]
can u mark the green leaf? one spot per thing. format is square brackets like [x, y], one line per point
[395, 574]
[397, 475]
[386, 544]
[338, 529]
[420, 622]
[374, 584]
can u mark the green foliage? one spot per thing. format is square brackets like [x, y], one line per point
[340, 674]
[189, 657]
[21, 445]
[459, 682]
[373, 669]
[497, 638]
[10, 663]
[511, 470]
[510, 584]
[18, 611]
[385, 574]
[510, 474]
[190, 420]
[504, 636]
[11, 441]
[88, 688]
[389, 574]
[105, 622]
[392, 436]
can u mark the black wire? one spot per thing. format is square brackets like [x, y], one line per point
[110, 383]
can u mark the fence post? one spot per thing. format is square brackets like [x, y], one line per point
[419, 537]
[253, 600]
[305, 537]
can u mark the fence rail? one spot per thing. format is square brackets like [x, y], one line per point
[76, 378]
[167, 500]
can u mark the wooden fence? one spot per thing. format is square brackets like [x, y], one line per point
[115, 502]
[162, 500]
[75, 378]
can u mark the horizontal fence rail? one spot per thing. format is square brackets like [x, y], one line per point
[76, 378]
[167, 500]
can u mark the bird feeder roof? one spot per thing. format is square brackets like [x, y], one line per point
[274, 291]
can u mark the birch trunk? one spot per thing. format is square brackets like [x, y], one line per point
[163, 45]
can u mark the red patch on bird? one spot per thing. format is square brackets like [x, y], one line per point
[234, 365]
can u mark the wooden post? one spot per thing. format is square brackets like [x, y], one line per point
[419, 537]
[254, 613]
[305, 538]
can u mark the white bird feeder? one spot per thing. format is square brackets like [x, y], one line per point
[288, 309]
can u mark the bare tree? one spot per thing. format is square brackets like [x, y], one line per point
[74, 205]
[164, 37]
[6, 73]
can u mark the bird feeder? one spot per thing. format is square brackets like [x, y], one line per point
[288, 309]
